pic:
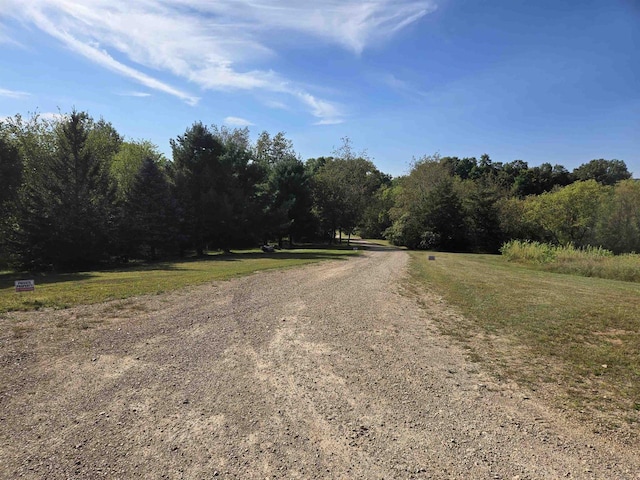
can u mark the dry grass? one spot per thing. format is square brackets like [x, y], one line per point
[588, 262]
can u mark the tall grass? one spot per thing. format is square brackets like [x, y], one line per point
[588, 262]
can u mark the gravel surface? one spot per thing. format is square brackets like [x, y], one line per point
[326, 371]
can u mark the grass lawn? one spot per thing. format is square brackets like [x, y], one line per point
[380, 242]
[61, 290]
[580, 335]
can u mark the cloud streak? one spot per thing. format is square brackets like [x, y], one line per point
[215, 45]
[401, 86]
[135, 94]
[15, 94]
[237, 122]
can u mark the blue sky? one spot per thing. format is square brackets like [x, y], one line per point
[542, 81]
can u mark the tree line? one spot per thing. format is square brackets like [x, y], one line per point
[465, 204]
[76, 194]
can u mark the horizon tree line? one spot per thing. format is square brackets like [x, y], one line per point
[76, 194]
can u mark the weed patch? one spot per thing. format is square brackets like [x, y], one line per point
[587, 262]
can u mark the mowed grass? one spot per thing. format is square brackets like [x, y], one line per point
[578, 335]
[68, 289]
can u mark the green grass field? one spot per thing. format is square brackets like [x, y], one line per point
[581, 335]
[68, 289]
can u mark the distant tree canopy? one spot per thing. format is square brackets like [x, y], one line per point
[465, 204]
[606, 172]
[75, 193]
[343, 187]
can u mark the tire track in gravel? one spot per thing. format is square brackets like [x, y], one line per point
[326, 371]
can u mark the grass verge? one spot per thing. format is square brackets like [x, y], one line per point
[380, 242]
[579, 336]
[61, 290]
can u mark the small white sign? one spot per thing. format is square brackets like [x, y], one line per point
[25, 285]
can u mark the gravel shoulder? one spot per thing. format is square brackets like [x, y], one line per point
[326, 371]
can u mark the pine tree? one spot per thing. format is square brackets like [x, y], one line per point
[66, 216]
[10, 180]
[196, 164]
[150, 215]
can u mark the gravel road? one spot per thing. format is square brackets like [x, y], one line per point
[326, 371]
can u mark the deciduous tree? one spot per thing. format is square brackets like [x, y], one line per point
[606, 172]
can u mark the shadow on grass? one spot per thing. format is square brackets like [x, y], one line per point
[277, 255]
[178, 264]
[43, 278]
[382, 248]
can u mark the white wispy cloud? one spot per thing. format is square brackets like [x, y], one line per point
[353, 24]
[328, 113]
[330, 121]
[402, 86]
[237, 122]
[218, 45]
[13, 93]
[102, 57]
[135, 94]
[276, 104]
[4, 36]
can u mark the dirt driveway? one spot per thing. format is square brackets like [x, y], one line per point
[325, 371]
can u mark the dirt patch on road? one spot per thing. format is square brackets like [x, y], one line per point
[320, 372]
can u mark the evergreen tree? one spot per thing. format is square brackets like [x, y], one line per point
[216, 184]
[10, 181]
[66, 213]
[286, 191]
[238, 221]
[128, 160]
[149, 222]
[196, 160]
[291, 203]
[10, 171]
